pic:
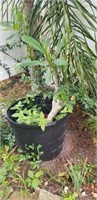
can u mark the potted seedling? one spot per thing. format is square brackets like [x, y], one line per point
[41, 118]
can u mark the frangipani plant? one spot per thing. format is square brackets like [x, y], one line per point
[54, 67]
[62, 66]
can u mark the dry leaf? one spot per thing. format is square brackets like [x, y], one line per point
[46, 183]
[62, 174]
[94, 195]
[72, 98]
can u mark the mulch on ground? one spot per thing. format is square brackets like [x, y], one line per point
[78, 144]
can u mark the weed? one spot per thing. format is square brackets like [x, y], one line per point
[10, 170]
[90, 104]
[70, 196]
[91, 122]
[25, 77]
[6, 134]
[33, 177]
[33, 154]
[80, 173]
[33, 180]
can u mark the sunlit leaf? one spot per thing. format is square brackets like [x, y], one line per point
[32, 63]
[32, 42]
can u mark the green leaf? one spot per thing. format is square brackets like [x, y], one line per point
[42, 121]
[63, 96]
[96, 47]
[48, 76]
[18, 106]
[42, 125]
[60, 61]
[15, 115]
[38, 174]
[30, 174]
[39, 146]
[32, 63]
[32, 42]
[68, 109]
[35, 183]
[59, 47]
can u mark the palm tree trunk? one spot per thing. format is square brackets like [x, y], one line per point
[34, 72]
[28, 5]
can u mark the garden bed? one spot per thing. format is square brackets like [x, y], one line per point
[80, 146]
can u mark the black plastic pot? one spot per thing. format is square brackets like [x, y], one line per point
[51, 139]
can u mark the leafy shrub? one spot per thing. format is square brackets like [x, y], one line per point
[10, 170]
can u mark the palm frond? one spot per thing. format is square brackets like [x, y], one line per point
[6, 6]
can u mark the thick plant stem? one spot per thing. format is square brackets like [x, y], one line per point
[55, 79]
[33, 85]
[57, 105]
[27, 6]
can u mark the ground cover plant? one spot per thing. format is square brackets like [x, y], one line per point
[67, 51]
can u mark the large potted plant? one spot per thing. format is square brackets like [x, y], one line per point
[69, 60]
[41, 118]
